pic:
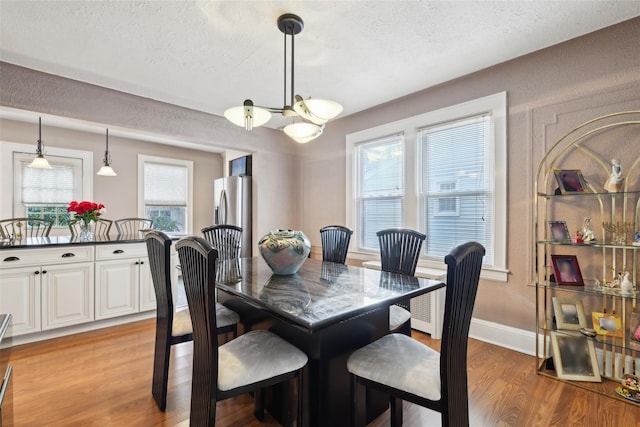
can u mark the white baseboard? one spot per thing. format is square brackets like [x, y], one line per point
[505, 336]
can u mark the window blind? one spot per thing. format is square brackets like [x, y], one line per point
[380, 187]
[457, 185]
[165, 185]
[56, 186]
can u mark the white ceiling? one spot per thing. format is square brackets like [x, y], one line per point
[212, 55]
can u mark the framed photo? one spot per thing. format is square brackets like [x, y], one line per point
[566, 270]
[570, 181]
[559, 231]
[607, 324]
[634, 331]
[569, 314]
[574, 357]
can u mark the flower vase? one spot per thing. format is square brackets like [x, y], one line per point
[284, 250]
[86, 231]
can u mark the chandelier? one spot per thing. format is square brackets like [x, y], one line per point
[312, 113]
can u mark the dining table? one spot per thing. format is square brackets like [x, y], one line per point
[328, 310]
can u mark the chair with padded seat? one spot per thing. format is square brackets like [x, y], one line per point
[399, 253]
[102, 227]
[172, 327]
[408, 370]
[335, 243]
[226, 239]
[21, 228]
[248, 363]
[129, 226]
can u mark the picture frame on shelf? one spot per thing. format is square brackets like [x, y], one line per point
[566, 270]
[559, 231]
[607, 324]
[571, 181]
[569, 314]
[634, 331]
[574, 357]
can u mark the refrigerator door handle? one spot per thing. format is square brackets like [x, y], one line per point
[222, 211]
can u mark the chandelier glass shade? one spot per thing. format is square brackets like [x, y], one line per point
[316, 111]
[40, 162]
[106, 169]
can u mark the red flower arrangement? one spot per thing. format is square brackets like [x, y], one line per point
[85, 211]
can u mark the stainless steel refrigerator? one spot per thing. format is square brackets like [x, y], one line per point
[232, 206]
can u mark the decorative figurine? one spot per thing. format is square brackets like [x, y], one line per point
[626, 287]
[586, 232]
[614, 182]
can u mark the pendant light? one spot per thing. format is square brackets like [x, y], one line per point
[106, 169]
[316, 111]
[40, 162]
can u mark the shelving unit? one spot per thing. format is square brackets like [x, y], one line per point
[590, 148]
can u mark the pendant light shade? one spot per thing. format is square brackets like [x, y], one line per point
[318, 111]
[248, 116]
[303, 132]
[106, 169]
[40, 162]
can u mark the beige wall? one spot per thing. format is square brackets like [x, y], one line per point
[549, 92]
[274, 156]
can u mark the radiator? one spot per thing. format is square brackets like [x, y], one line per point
[427, 310]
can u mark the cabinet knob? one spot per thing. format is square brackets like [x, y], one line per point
[141, 262]
[44, 271]
[68, 255]
[11, 258]
[36, 272]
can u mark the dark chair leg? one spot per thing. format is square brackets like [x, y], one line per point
[396, 411]
[358, 405]
[258, 402]
[405, 328]
[300, 395]
[235, 331]
[161, 372]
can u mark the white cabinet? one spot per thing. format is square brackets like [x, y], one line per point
[46, 288]
[20, 296]
[147, 292]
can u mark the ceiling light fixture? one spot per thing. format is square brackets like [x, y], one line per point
[106, 169]
[40, 162]
[316, 111]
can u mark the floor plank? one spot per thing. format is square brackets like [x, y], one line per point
[103, 378]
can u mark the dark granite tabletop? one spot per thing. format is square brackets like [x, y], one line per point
[53, 241]
[321, 293]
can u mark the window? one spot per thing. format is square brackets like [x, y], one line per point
[447, 180]
[44, 193]
[380, 187]
[166, 188]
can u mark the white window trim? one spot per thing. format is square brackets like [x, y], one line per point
[6, 176]
[142, 159]
[496, 105]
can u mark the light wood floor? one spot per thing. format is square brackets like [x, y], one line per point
[103, 378]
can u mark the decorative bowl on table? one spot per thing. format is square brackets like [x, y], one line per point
[284, 251]
[630, 388]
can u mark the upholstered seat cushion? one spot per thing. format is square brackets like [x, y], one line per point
[181, 323]
[401, 362]
[225, 316]
[398, 316]
[254, 357]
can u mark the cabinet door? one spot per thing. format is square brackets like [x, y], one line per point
[147, 291]
[67, 295]
[117, 288]
[20, 296]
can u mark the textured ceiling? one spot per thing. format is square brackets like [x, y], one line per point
[212, 55]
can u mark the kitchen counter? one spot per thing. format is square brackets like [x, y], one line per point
[59, 241]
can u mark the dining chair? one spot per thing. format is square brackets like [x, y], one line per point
[254, 360]
[132, 225]
[226, 239]
[399, 253]
[25, 227]
[102, 227]
[335, 243]
[408, 370]
[172, 327]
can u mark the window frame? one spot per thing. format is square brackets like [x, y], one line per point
[142, 159]
[496, 105]
[9, 207]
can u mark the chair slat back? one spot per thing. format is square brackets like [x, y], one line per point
[101, 227]
[21, 228]
[463, 274]
[335, 243]
[226, 239]
[132, 225]
[158, 250]
[400, 250]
